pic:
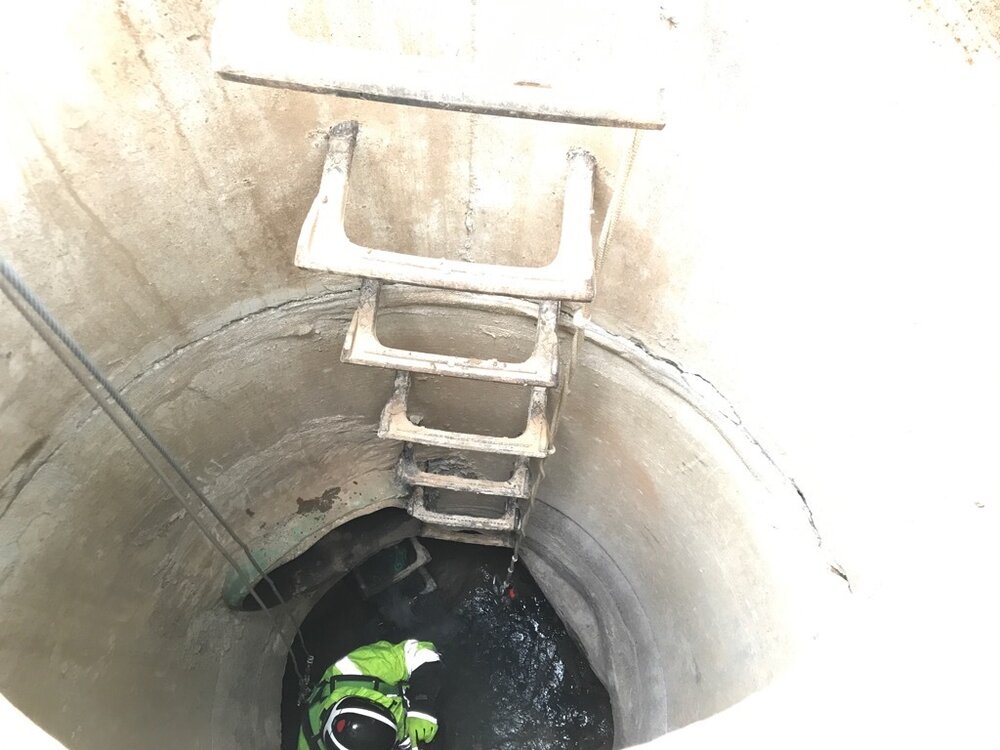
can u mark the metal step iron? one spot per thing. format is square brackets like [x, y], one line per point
[362, 347]
[417, 507]
[517, 486]
[324, 246]
[395, 424]
[253, 43]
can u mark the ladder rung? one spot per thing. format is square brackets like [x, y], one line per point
[417, 507]
[362, 347]
[324, 246]
[252, 43]
[396, 425]
[469, 536]
[373, 580]
[518, 485]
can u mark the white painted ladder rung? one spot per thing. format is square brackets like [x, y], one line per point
[362, 347]
[253, 43]
[518, 485]
[396, 425]
[416, 506]
[324, 246]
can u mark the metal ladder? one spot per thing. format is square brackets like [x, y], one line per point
[251, 43]
[324, 245]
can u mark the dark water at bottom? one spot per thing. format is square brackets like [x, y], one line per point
[514, 677]
[517, 680]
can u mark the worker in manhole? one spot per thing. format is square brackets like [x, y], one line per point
[378, 697]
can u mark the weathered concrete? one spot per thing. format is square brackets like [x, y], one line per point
[665, 514]
[812, 235]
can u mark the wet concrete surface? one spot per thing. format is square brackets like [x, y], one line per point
[514, 677]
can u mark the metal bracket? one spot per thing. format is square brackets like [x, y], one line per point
[396, 425]
[518, 485]
[362, 347]
[324, 246]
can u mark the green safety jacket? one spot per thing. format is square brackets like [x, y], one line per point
[382, 669]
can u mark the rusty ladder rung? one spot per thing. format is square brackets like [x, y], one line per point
[362, 347]
[517, 485]
[395, 424]
[417, 507]
[323, 244]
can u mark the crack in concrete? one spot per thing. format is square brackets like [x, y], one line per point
[22, 472]
[241, 320]
[471, 188]
[723, 404]
[723, 408]
[839, 571]
[627, 346]
[29, 471]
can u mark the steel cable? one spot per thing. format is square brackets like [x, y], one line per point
[580, 319]
[51, 331]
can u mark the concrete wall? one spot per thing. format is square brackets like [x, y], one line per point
[685, 565]
[810, 238]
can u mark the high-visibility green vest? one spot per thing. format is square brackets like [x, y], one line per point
[390, 664]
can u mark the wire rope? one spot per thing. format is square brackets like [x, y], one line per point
[80, 365]
[580, 319]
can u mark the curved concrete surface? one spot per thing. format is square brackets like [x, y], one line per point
[801, 286]
[689, 580]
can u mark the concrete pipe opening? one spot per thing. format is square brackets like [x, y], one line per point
[683, 563]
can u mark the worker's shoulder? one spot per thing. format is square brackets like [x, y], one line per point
[374, 647]
[417, 646]
[410, 644]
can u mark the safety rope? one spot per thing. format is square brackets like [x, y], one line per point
[80, 364]
[580, 319]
